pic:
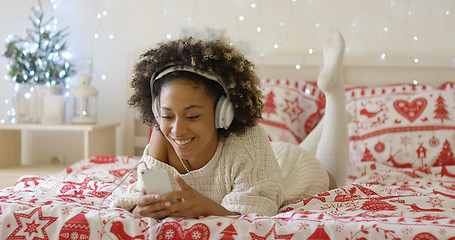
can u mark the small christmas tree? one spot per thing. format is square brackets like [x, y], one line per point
[368, 156]
[446, 156]
[228, 233]
[41, 57]
[441, 111]
[269, 106]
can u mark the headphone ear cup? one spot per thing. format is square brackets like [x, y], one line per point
[224, 113]
[155, 108]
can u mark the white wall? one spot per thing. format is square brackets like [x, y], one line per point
[295, 26]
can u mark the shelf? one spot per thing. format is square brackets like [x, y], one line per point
[98, 139]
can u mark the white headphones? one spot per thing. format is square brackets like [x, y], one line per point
[224, 110]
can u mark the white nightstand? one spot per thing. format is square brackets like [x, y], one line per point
[98, 139]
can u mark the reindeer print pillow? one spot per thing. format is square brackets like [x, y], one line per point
[403, 125]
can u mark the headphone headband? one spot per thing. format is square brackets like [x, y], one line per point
[183, 68]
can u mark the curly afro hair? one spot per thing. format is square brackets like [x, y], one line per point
[216, 56]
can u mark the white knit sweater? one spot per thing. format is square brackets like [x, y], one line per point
[244, 175]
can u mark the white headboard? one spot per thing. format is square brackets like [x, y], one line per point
[360, 70]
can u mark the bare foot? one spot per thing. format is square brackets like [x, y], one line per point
[331, 73]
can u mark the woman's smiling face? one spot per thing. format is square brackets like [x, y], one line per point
[188, 120]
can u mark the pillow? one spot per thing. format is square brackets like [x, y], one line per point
[291, 108]
[403, 125]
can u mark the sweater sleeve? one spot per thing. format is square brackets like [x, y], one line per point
[133, 192]
[255, 178]
[302, 174]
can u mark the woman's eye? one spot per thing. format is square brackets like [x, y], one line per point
[193, 117]
[165, 117]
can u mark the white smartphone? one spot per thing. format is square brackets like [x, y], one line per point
[156, 181]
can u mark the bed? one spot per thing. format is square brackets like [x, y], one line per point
[401, 178]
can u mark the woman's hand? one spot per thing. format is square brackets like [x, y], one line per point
[191, 203]
[185, 202]
[150, 206]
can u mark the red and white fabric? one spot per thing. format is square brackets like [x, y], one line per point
[404, 125]
[382, 202]
[402, 178]
[291, 108]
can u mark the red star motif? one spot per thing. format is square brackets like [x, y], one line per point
[31, 228]
[293, 109]
[275, 235]
[36, 225]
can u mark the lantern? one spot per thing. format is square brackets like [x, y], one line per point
[84, 101]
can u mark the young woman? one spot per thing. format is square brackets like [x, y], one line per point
[203, 98]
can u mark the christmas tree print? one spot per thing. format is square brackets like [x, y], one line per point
[446, 156]
[367, 156]
[441, 111]
[319, 234]
[228, 233]
[269, 106]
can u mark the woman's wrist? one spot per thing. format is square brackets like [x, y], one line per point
[217, 209]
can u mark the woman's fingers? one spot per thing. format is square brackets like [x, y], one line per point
[152, 206]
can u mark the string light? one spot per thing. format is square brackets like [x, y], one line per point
[274, 42]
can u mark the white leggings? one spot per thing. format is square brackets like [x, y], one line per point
[329, 140]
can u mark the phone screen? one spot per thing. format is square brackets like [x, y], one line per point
[156, 181]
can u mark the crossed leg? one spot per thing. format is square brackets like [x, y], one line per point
[329, 140]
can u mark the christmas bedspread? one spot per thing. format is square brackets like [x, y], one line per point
[382, 202]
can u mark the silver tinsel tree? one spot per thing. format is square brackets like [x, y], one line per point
[41, 57]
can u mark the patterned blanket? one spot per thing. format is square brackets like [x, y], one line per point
[381, 202]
